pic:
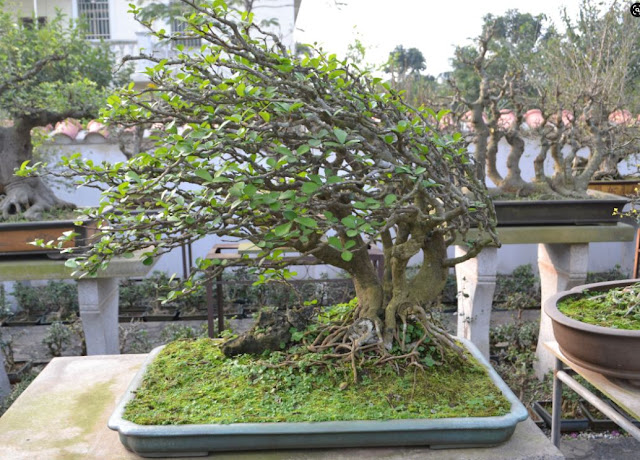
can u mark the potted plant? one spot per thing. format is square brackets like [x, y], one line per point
[19, 236]
[513, 94]
[314, 157]
[597, 324]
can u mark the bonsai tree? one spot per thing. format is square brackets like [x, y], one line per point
[571, 88]
[47, 74]
[292, 154]
[590, 79]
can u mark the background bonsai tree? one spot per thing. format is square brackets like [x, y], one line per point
[573, 89]
[309, 154]
[47, 74]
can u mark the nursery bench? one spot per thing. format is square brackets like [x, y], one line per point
[235, 253]
[623, 394]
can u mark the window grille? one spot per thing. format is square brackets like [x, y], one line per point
[178, 27]
[28, 22]
[96, 15]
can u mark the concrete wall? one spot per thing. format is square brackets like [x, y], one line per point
[46, 8]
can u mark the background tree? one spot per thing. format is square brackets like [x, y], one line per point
[492, 77]
[405, 67]
[578, 81]
[405, 61]
[46, 75]
[590, 78]
[310, 154]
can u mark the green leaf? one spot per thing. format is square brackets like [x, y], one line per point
[266, 116]
[290, 215]
[306, 222]
[133, 176]
[204, 174]
[335, 242]
[304, 148]
[346, 256]
[390, 199]
[282, 230]
[340, 135]
[309, 187]
[71, 263]
[349, 221]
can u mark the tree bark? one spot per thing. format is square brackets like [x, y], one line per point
[28, 195]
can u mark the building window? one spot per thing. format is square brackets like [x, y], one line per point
[178, 28]
[28, 22]
[96, 14]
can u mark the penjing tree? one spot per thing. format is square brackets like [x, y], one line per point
[47, 74]
[306, 154]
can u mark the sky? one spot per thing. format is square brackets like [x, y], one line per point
[434, 27]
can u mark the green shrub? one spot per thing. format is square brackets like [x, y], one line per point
[58, 337]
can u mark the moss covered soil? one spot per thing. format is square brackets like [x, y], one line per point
[601, 311]
[191, 382]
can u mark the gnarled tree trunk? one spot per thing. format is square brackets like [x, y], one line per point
[28, 195]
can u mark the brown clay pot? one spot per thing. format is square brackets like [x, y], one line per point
[617, 187]
[612, 352]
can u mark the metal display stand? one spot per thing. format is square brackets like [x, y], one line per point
[622, 393]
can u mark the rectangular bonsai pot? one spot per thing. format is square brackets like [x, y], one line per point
[192, 440]
[16, 238]
[566, 425]
[561, 212]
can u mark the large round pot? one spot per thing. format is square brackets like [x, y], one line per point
[612, 352]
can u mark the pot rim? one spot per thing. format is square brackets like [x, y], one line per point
[598, 197]
[551, 309]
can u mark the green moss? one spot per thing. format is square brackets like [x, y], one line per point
[90, 405]
[192, 382]
[601, 312]
[54, 214]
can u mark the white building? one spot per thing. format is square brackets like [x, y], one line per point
[110, 20]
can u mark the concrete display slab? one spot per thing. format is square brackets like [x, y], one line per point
[63, 415]
[30, 268]
[571, 234]
[97, 296]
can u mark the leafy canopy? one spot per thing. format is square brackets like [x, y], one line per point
[306, 153]
[51, 69]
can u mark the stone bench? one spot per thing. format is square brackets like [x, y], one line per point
[97, 298]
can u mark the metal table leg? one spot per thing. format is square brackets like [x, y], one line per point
[556, 408]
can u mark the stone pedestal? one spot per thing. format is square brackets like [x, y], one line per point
[476, 280]
[98, 301]
[562, 267]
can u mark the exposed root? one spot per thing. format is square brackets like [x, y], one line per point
[30, 197]
[360, 342]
